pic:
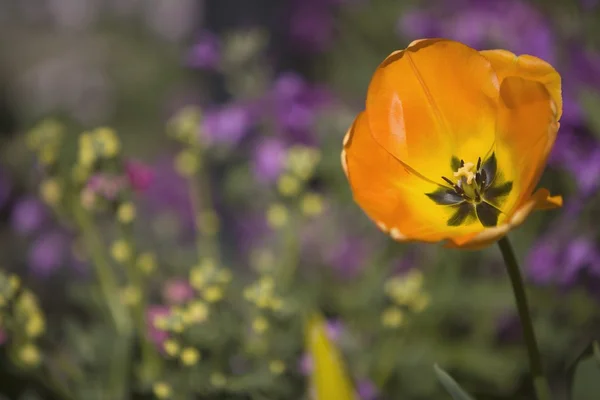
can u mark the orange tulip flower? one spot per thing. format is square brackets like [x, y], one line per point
[453, 141]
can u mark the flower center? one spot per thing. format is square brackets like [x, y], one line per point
[470, 182]
[476, 193]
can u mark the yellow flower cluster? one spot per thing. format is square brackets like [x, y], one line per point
[45, 139]
[184, 126]
[300, 166]
[302, 161]
[101, 143]
[262, 294]
[180, 317]
[20, 311]
[406, 294]
[210, 280]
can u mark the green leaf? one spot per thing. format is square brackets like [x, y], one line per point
[450, 384]
[586, 383]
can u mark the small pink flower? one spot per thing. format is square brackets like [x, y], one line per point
[156, 335]
[107, 186]
[139, 174]
[177, 291]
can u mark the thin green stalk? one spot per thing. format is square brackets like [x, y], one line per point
[150, 357]
[202, 203]
[118, 374]
[542, 389]
[104, 273]
[290, 255]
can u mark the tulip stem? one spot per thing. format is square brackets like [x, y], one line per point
[540, 383]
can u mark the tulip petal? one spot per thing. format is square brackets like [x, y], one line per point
[527, 130]
[329, 378]
[541, 200]
[398, 200]
[529, 67]
[431, 102]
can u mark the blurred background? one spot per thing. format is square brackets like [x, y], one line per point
[172, 250]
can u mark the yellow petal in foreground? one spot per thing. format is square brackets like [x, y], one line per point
[329, 379]
[453, 142]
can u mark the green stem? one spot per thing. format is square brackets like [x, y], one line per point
[540, 384]
[106, 278]
[202, 203]
[108, 286]
[150, 358]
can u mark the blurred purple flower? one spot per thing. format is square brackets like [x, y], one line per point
[348, 256]
[512, 25]
[205, 53]
[295, 104]
[47, 253]
[268, 159]
[28, 215]
[305, 364]
[335, 328]
[227, 124]
[541, 262]
[169, 193]
[367, 390]
[589, 5]
[154, 312]
[311, 25]
[139, 174]
[177, 291]
[554, 261]
[417, 24]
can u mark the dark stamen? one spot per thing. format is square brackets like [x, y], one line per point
[448, 180]
[478, 178]
[462, 163]
[478, 163]
[483, 178]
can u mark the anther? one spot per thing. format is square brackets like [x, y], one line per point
[478, 163]
[462, 163]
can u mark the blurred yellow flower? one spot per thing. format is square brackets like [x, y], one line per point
[312, 204]
[190, 356]
[146, 262]
[197, 311]
[186, 163]
[302, 160]
[171, 347]
[120, 251]
[131, 295]
[392, 317]
[260, 324]
[126, 212]
[277, 367]
[277, 215]
[288, 185]
[212, 294]
[36, 325]
[328, 378]
[51, 191]
[30, 355]
[162, 390]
